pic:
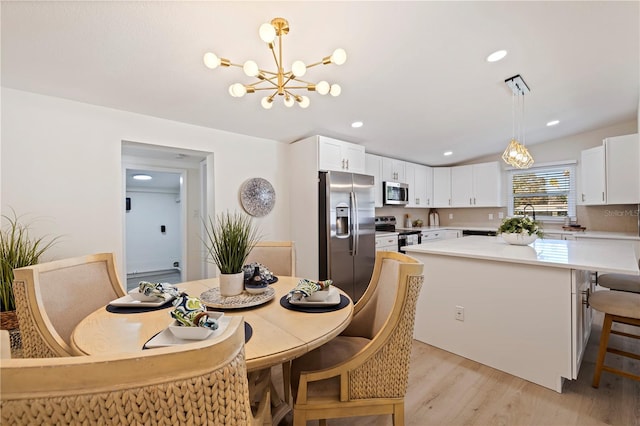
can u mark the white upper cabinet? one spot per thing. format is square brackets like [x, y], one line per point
[487, 185]
[373, 167]
[442, 187]
[420, 181]
[393, 170]
[462, 186]
[340, 156]
[622, 155]
[476, 185]
[592, 174]
[610, 174]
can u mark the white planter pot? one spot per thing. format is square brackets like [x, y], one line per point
[519, 239]
[231, 284]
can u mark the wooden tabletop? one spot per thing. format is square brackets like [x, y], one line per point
[279, 334]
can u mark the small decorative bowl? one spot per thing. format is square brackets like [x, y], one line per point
[193, 333]
[318, 296]
[141, 297]
[257, 288]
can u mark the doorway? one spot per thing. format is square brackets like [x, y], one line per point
[162, 217]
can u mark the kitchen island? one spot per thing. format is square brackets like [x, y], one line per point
[519, 309]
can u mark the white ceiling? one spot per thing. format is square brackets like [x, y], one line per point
[416, 72]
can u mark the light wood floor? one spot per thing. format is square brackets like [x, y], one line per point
[445, 389]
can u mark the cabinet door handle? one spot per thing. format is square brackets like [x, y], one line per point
[603, 196]
[474, 201]
[428, 201]
[470, 203]
[343, 164]
[585, 296]
[347, 164]
[449, 201]
[583, 196]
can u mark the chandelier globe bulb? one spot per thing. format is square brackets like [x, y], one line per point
[339, 56]
[267, 103]
[289, 101]
[322, 87]
[211, 60]
[267, 32]
[304, 102]
[335, 90]
[250, 68]
[238, 90]
[298, 68]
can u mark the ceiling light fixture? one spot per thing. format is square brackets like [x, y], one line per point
[281, 82]
[553, 123]
[448, 153]
[496, 56]
[142, 177]
[357, 124]
[517, 154]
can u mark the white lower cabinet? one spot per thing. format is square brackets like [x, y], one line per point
[387, 243]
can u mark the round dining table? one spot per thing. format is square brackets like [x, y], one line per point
[279, 334]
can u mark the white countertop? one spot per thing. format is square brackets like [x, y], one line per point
[601, 256]
[588, 234]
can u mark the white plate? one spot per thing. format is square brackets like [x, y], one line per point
[129, 302]
[167, 338]
[332, 299]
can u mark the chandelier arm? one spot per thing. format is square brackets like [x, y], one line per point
[316, 63]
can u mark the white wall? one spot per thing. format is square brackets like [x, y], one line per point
[61, 162]
[149, 249]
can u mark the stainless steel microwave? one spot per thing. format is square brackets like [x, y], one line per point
[395, 193]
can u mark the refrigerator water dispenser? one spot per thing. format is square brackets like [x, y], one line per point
[342, 221]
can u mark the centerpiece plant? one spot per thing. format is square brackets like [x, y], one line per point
[520, 225]
[229, 240]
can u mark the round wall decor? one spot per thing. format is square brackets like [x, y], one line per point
[257, 196]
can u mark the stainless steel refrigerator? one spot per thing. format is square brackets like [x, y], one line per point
[347, 230]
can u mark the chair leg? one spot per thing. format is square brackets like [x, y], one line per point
[398, 414]
[602, 352]
[299, 418]
[286, 379]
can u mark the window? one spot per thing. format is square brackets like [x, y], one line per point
[551, 190]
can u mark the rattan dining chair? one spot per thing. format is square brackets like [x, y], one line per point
[200, 383]
[278, 256]
[365, 370]
[5, 345]
[52, 298]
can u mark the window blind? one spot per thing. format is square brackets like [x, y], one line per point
[550, 190]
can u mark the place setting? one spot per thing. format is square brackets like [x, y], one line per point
[192, 322]
[314, 297]
[146, 297]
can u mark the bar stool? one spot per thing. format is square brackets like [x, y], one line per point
[620, 307]
[620, 282]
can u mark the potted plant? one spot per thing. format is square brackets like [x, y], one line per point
[521, 230]
[229, 239]
[17, 249]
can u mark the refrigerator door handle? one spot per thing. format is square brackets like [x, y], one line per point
[356, 223]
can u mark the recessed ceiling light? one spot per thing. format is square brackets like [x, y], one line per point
[448, 153]
[496, 56]
[142, 177]
[553, 122]
[357, 124]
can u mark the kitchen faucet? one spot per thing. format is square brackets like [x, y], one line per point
[524, 210]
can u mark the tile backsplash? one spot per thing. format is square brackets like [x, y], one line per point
[612, 218]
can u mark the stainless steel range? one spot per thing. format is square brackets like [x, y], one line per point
[405, 237]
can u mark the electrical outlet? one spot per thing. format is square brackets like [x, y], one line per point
[490, 216]
[450, 215]
[459, 313]
[500, 215]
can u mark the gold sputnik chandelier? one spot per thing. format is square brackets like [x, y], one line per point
[279, 82]
[517, 154]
